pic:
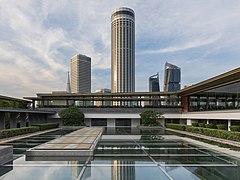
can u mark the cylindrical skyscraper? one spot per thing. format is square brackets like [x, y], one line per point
[123, 50]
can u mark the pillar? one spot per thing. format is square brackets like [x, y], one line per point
[207, 121]
[2, 121]
[229, 124]
[190, 121]
[13, 120]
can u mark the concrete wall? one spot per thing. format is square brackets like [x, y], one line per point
[135, 122]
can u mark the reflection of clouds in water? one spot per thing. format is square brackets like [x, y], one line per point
[43, 173]
[97, 172]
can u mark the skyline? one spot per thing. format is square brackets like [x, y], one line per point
[196, 36]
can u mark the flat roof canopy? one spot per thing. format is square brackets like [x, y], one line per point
[14, 99]
[217, 81]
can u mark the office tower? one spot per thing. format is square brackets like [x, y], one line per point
[123, 50]
[154, 83]
[172, 78]
[154, 87]
[80, 74]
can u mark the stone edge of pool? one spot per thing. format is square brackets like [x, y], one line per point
[37, 151]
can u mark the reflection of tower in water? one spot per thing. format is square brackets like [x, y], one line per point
[76, 170]
[123, 169]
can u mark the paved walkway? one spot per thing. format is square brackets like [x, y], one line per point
[5, 140]
[219, 140]
[77, 143]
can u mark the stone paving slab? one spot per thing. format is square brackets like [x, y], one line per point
[77, 143]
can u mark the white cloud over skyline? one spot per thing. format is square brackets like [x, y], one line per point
[38, 38]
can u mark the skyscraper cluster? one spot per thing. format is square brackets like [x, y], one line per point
[122, 61]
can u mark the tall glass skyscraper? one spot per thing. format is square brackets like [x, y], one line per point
[123, 50]
[172, 78]
[154, 83]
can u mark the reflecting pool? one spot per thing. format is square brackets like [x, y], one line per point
[124, 153]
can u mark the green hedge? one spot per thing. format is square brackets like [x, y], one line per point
[201, 124]
[224, 134]
[181, 127]
[235, 128]
[17, 131]
[209, 126]
[46, 126]
[235, 136]
[222, 126]
[195, 124]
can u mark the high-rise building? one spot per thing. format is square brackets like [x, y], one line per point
[172, 78]
[80, 74]
[154, 83]
[123, 50]
[154, 87]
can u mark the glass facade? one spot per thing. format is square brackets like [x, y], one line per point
[172, 78]
[220, 98]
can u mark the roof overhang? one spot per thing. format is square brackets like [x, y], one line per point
[214, 82]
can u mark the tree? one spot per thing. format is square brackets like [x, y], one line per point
[72, 116]
[151, 118]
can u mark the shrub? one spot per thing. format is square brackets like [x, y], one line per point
[181, 127]
[209, 126]
[72, 116]
[222, 126]
[195, 124]
[46, 126]
[150, 118]
[235, 128]
[17, 131]
[235, 136]
[201, 125]
[193, 129]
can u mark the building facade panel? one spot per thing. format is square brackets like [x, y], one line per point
[80, 74]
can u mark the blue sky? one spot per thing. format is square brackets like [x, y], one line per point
[38, 38]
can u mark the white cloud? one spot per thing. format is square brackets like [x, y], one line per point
[189, 45]
[38, 38]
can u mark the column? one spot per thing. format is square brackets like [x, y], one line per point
[2, 121]
[190, 121]
[13, 120]
[229, 124]
[207, 121]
